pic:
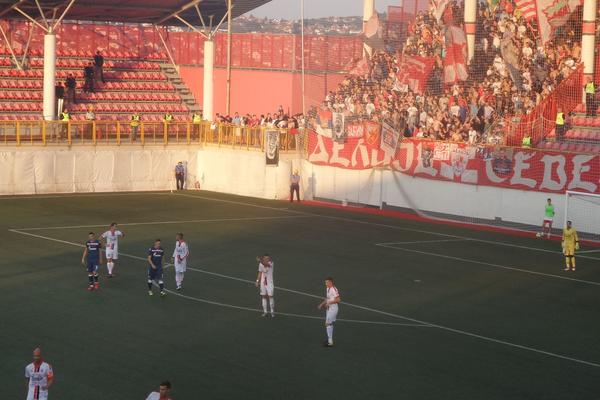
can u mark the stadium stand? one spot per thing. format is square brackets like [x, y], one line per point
[132, 85]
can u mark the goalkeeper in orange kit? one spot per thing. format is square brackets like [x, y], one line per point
[570, 243]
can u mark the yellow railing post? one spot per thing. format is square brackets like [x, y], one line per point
[189, 132]
[220, 134]
[142, 133]
[94, 132]
[43, 132]
[69, 132]
[118, 133]
[18, 132]
[165, 133]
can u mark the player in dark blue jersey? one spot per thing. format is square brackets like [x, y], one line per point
[155, 269]
[91, 259]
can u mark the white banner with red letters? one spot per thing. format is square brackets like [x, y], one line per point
[507, 167]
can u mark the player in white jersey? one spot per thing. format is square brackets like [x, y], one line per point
[40, 377]
[179, 260]
[163, 392]
[330, 303]
[111, 244]
[264, 280]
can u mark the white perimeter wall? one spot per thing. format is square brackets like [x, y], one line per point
[56, 170]
[472, 202]
[62, 170]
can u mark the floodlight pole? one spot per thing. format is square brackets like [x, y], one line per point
[302, 58]
[470, 27]
[228, 89]
[368, 11]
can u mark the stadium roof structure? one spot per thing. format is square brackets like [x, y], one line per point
[157, 12]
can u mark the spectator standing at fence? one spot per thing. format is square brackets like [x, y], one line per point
[90, 117]
[559, 124]
[196, 124]
[168, 118]
[88, 73]
[295, 186]
[179, 175]
[59, 91]
[65, 117]
[590, 97]
[135, 122]
[99, 66]
[70, 84]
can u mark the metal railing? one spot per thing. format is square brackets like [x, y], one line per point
[98, 133]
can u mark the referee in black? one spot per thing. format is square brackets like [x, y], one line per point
[295, 186]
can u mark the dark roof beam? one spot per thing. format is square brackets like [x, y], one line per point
[182, 9]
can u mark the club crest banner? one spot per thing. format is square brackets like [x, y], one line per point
[272, 147]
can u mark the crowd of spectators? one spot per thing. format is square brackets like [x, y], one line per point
[277, 119]
[510, 74]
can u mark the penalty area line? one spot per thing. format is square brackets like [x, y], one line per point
[381, 225]
[423, 241]
[499, 266]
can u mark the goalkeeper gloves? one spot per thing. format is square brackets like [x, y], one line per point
[576, 245]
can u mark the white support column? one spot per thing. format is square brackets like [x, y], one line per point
[208, 92]
[368, 11]
[470, 27]
[49, 108]
[588, 37]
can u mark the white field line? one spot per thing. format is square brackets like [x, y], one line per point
[422, 241]
[299, 213]
[578, 252]
[411, 324]
[166, 222]
[506, 267]
[299, 292]
[414, 320]
[357, 221]
[77, 195]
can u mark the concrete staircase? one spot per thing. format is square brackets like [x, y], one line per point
[181, 88]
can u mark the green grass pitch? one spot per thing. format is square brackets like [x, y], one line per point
[429, 311]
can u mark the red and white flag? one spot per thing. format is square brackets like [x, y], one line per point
[553, 14]
[528, 9]
[455, 61]
[373, 33]
[414, 71]
[439, 8]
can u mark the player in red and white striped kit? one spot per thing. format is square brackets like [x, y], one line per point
[40, 377]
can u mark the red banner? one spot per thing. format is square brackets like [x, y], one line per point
[507, 167]
[414, 71]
